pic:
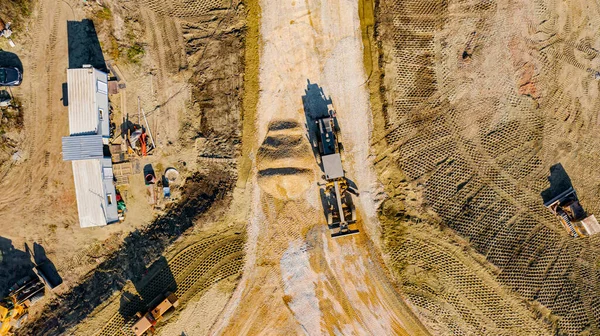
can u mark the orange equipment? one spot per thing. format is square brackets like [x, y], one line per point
[150, 319]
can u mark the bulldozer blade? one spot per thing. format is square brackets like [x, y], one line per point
[344, 233]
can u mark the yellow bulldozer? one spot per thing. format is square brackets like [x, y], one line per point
[161, 312]
[14, 307]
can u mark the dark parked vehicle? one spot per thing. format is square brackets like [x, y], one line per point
[10, 77]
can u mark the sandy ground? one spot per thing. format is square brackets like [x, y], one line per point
[39, 205]
[480, 100]
[297, 278]
[193, 111]
[524, 73]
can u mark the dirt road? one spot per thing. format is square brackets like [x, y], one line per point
[298, 279]
[38, 198]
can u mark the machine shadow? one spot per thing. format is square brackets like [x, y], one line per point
[45, 267]
[316, 106]
[65, 94]
[139, 249]
[84, 46]
[559, 182]
[14, 265]
[8, 59]
[158, 280]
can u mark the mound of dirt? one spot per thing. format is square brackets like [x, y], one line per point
[284, 160]
[285, 183]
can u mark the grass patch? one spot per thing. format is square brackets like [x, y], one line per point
[103, 14]
[11, 119]
[114, 51]
[135, 53]
[24, 7]
[16, 11]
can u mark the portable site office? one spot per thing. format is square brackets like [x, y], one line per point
[89, 128]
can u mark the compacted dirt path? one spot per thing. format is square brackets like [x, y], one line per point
[298, 279]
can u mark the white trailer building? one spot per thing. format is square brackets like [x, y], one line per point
[87, 146]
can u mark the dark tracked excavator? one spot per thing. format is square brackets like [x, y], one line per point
[340, 210]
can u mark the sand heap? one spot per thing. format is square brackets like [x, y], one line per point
[284, 161]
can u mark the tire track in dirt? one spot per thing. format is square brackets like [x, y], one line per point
[40, 122]
[129, 262]
[193, 270]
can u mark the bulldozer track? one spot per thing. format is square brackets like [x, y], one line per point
[193, 270]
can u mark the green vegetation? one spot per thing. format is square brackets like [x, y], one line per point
[11, 119]
[104, 14]
[114, 50]
[15, 11]
[135, 53]
[24, 7]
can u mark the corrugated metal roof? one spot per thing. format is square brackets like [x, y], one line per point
[82, 147]
[92, 189]
[90, 192]
[85, 101]
[88, 126]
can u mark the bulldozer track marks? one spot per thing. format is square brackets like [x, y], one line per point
[484, 184]
[46, 159]
[194, 270]
[217, 159]
[184, 8]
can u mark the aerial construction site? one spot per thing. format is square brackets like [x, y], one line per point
[320, 167]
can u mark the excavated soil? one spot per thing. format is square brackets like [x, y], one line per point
[480, 99]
